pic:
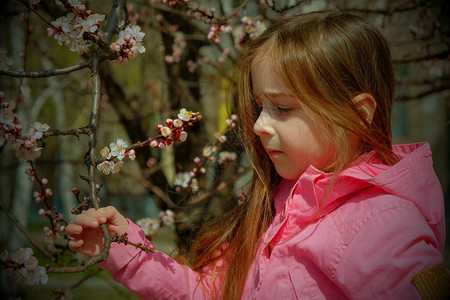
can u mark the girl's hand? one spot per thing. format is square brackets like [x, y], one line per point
[86, 235]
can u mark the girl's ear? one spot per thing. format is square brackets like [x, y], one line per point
[366, 104]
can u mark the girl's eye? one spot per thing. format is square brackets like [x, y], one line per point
[283, 110]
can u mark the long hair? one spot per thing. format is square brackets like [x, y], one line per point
[325, 59]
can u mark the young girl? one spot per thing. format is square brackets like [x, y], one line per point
[335, 211]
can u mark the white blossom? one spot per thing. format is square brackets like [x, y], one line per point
[185, 115]
[26, 269]
[118, 148]
[182, 179]
[149, 225]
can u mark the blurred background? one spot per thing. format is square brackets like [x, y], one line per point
[184, 66]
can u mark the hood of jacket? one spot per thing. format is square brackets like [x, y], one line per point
[412, 179]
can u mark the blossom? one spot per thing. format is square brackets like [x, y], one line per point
[216, 30]
[26, 153]
[26, 148]
[154, 143]
[182, 179]
[151, 162]
[183, 136]
[40, 126]
[185, 115]
[118, 149]
[226, 156]
[129, 43]
[69, 30]
[93, 22]
[131, 154]
[5, 61]
[177, 122]
[220, 137]
[250, 29]
[106, 153]
[208, 151]
[22, 255]
[37, 129]
[168, 221]
[74, 3]
[6, 116]
[178, 47]
[242, 196]
[165, 131]
[24, 267]
[115, 167]
[167, 217]
[105, 167]
[149, 225]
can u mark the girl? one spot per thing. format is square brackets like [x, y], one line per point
[335, 211]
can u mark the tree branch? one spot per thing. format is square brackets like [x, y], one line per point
[113, 19]
[441, 55]
[422, 94]
[76, 132]
[24, 231]
[221, 186]
[47, 73]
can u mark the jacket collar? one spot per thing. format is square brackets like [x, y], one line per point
[306, 195]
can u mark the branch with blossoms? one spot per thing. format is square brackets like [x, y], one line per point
[174, 130]
[77, 30]
[23, 267]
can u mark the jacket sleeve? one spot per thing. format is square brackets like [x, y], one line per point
[385, 253]
[153, 275]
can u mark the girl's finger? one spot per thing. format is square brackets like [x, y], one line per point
[94, 213]
[74, 229]
[113, 216]
[75, 245]
[87, 221]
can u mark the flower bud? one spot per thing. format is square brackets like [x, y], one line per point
[183, 136]
[75, 191]
[154, 143]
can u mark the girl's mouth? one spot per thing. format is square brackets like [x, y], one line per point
[273, 152]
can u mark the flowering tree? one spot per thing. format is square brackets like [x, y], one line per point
[165, 55]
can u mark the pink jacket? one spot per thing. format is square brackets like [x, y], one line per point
[379, 226]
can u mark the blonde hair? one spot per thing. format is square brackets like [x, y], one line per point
[325, 59]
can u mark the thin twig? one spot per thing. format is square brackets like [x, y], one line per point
[37, 13]
[89, 276]
[47, 73]
[153, 188]
[25, 232]
[440, 55]
[237, 9]
[221, 186]
[75, 132]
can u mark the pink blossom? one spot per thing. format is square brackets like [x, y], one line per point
[48, 193]
[183, 136]
[154, 143]
[151, 162]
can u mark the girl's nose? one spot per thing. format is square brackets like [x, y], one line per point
[263, 125]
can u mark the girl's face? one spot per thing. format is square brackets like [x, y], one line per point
[291, 137]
